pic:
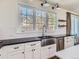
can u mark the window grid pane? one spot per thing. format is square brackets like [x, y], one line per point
[25, 18]
[51, 22]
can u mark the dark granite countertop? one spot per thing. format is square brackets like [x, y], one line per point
[54, 36]
[58, 36]
[18, 41]
[25, 40]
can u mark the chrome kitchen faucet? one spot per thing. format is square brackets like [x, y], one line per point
[44, 30]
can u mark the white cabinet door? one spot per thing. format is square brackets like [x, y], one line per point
[29, 54]
[32, 50]
[37, 51]
[32, 54]
[52, 50]
[16, 55]
[37, 54]
[29, 51]
[44, 53]
[0, 56]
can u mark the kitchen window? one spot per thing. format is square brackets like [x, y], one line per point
[74, 24]
[26, 19]
[33, 19]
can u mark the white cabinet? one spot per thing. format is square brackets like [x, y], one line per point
[21, 51]
[15, 51]
[12, 52]
[48, 51]
[68, 41]
[32, 50]
[16, 55]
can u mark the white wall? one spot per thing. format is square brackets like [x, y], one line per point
[9, 20]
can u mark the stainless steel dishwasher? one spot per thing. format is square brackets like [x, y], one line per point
[60, 43]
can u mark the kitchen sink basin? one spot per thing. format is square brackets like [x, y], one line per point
[47, 40]
[45, 37]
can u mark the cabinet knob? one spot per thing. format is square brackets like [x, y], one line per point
[23, 52]
[33, 50]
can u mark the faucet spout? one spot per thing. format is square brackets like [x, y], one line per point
[44, 30]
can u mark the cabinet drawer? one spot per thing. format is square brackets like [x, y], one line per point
[68, 41]
[32, 44]
[13, 48]
[53, 47]
[69, 38]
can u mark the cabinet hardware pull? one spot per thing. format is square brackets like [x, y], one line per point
[16, 48]
[33, 44]
[0, 54]
[32, 50]
[49, 48]
[67, 41]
